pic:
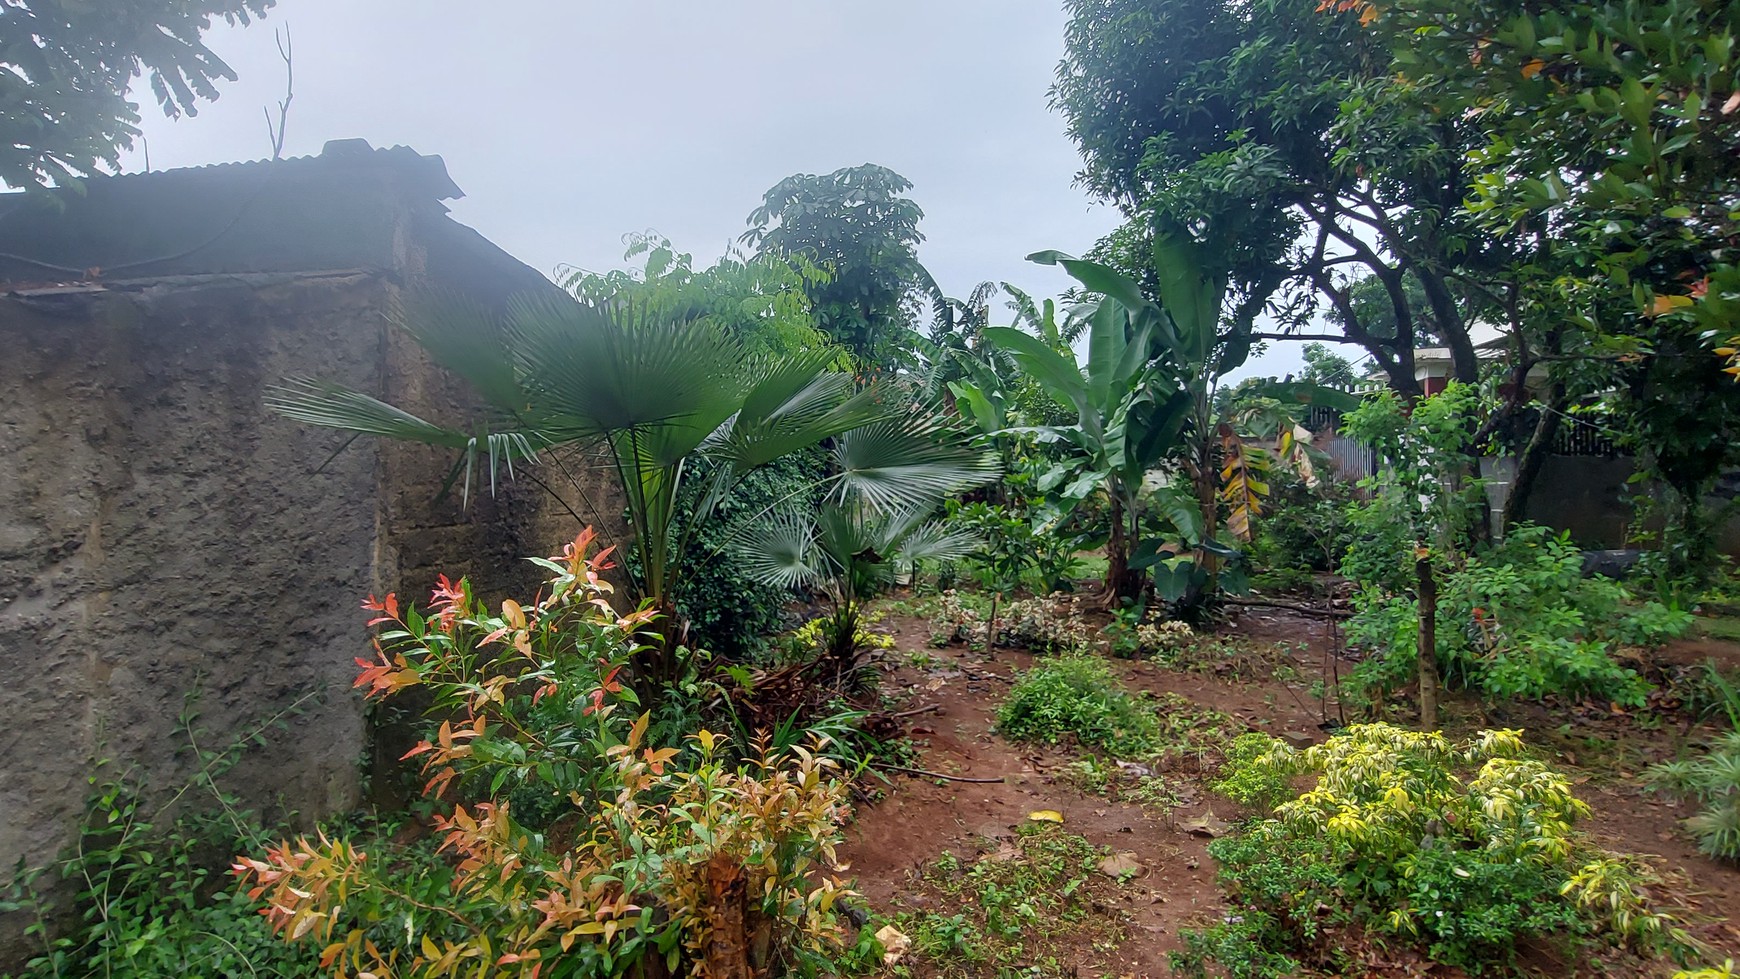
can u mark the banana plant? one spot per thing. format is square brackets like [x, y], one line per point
[1145, 402]
[1131, 410]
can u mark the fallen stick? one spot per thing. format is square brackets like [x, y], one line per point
[1322, 613]
[930, 774]
[927, 708]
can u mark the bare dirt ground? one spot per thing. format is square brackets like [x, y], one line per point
[917, 818]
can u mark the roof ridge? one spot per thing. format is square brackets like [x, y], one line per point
[336, 152]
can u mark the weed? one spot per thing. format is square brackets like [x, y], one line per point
[148, 901]
[1077, 697]
[1713, 781]
[1017, 901]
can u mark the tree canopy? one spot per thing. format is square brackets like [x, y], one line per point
[1283, 130]
[65, 67]
[858, 224]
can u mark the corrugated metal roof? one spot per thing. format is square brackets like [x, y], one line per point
[335, 210]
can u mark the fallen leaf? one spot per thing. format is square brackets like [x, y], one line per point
[1208, 826]
[1120, 864]
[1045, 816]
[894, 944]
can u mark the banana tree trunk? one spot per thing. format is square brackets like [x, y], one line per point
[1121, 582]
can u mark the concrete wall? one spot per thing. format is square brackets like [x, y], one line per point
[161, 533]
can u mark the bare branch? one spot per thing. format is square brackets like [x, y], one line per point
[286, 51]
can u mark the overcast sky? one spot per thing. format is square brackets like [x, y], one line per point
[570, 123]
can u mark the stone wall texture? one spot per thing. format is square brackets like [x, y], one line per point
[167, 546]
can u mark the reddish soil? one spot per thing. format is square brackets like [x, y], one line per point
[917, 818]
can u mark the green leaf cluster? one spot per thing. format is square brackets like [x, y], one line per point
[66, 67]
[1076, 696]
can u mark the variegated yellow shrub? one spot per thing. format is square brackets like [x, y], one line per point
[1464, 846]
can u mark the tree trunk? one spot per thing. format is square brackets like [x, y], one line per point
[1533, 458]
[991, 627]
[1121, 582]
[727, 950]
[1427, 590]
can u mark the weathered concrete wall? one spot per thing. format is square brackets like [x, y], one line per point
[161, 533]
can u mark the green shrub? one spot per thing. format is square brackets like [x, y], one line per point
[1713, 781]
[1302, 529]
[1077, 696]
[673, 859]
[1518, 620]
[148, 903]
[1261, 787]
[1466, 848]
[730, 612]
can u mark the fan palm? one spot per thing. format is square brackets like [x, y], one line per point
[878, 516]
[656, 393]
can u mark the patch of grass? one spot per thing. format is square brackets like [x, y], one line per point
[1192, 739]
[920, 603]
[1091, 566]
[1078, 697]
[1712, 779]
[1012, 908]
[1230, 659]
[1723, 627]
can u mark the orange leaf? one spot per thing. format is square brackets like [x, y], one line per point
[1667, 304]
[1533, 68]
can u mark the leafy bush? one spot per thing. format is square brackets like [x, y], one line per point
[1713, 781]
[1077, 696]
[668, 855]
[730, 611]
[1136, 631]
[1043, 625]
[1519, 620]
[1262, 787]
[1465, 847]
[149, 908]
[1302, 529]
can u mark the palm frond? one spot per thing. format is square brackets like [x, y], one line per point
[596, 371]
[779, 550]
[933, 540]
[465, 338]
[795, 402]
[336, 406]
[906, 462]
